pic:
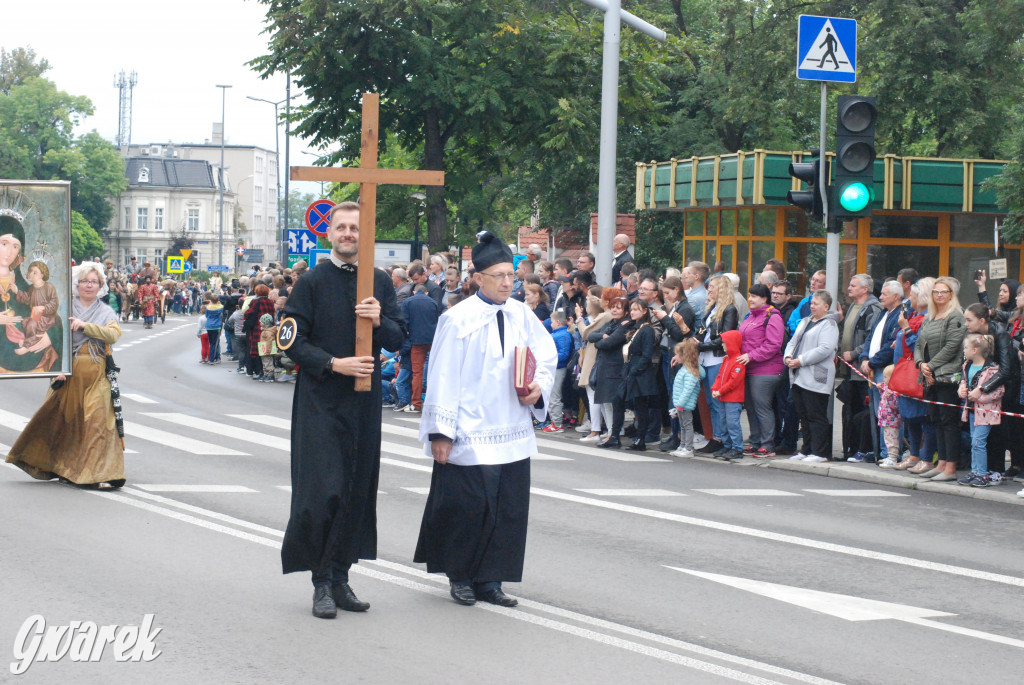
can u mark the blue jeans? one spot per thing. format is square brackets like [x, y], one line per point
[714, 405]
[979, 445]
[213, 335]
[404, 385]
[732, 436]
[666, 370]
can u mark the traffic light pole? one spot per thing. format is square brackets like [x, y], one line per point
[831, 239]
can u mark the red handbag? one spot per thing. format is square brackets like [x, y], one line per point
[904, 379]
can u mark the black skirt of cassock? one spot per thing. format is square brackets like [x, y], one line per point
[474, 524]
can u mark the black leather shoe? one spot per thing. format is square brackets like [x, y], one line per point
[463, 594]
[712, 447]
[669, 444]
[496, 596]
[346, 600]
[610, 443]
[323, 602]
[638, 446]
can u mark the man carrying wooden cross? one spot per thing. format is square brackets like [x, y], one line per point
[335, 442]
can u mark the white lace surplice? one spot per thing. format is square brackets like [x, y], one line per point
[470, 392]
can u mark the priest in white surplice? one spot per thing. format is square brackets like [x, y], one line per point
[480, 433]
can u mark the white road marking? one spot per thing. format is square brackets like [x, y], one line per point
[406, 465]
[747, 492]
[286, 488]
[265, 420]
[177, 441]
[857, 493]
[12, 420]
[575, 630]
[627, 492]
[848, 607]
[243, 434]
[403, 450]
[137, 398]
[418, 491]
[540, 456]
[193, 488]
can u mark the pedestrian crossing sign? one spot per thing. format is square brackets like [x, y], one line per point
[175, 265]
[826, 49]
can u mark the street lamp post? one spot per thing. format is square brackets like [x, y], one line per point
[318, 158]
[220, 242]
[420, 198]
[277, 156]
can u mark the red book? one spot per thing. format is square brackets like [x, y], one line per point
[523, 370]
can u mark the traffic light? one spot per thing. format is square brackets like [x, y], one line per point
[808, 200]
[854, 188]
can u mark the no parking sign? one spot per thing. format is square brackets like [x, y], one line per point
[318, 216]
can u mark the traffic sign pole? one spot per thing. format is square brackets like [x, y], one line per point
[831, 239]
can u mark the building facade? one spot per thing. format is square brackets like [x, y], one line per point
[165, 197]
[929, 214]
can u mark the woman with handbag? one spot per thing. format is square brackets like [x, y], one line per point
[596, 319]
[810, 358]
[919, 433]
[677, 320]
[608, 368]
[937, 354]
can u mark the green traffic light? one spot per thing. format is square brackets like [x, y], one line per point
[855, 197]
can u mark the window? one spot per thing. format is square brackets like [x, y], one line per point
[158, 219]
[127, 218]
[193, 219]
[259, 165]
[258, 193]
[158, 254]
[140, 253]
[258, 221]
[141, 218]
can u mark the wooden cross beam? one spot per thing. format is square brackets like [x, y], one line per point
[368, 176]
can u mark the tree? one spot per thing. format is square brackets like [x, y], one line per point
[181, 241]
[1009, 185]
[17, 65]
[86, 243]
[96, 171]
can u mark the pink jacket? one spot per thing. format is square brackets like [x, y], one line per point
[991, 401]
[763, 341]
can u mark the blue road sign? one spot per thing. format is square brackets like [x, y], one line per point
[187, 266]
[318, 216]
[216, 267]
[316, 255]
[301, 241]
[826, 49]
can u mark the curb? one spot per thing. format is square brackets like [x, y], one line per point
[872, 474]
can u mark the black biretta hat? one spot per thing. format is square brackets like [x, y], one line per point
[490, 251]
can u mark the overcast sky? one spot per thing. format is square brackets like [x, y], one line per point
[180, 51]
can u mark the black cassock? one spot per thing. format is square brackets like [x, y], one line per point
[335, 430]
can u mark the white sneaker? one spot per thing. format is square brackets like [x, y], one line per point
[812, 458]
[799, 456]
[888, 463]
[1020, 494]
[681, 452]
[700, 442]
[590, 438]
[584, 427]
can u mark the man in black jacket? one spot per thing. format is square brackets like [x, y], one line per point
[418, 276]
[421, 314]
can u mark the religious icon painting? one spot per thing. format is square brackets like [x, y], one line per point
[35, 278]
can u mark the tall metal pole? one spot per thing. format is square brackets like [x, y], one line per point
[220, 241]
[606, 200]
[283, 235]
[831, 239]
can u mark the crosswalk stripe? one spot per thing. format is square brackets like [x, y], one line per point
[403, 450]
[564, 446]
[418, 491]
[12, 420]
[265, 419]
[243, 434]
[858, 493]
[137, 398]
[630, 492]
[193, 488]
[179, 442]
[286, 488]
[748, 492]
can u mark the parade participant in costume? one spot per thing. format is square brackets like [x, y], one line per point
[75, 434]
[336, 430]
[147, 295]
[479, 432]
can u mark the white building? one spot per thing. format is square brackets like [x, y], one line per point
[252, 174]
[165, 196]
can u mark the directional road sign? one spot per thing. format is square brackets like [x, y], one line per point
[318, 216]
[216, 267]
[240, 250]
[187, 266]
[301, 241]
[826, 49]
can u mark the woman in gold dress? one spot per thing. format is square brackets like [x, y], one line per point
[74, 435]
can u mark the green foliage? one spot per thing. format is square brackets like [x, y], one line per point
[96, 171]
[17, 65]
[1009, 185]
[86, 243]
[181, 241]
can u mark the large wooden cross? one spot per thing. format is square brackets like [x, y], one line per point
[368, 176]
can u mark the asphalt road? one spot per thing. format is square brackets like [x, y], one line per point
[639, 569]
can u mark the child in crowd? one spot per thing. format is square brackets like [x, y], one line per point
[685, 389]
[889, 420]
[203, 339]
[728, 389]
[978, 370]
[268, 348]
[563, 343]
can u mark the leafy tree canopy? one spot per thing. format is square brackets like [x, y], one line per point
[86, 243]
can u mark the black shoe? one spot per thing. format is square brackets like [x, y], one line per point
[783, 451]
[630, 432]
[720, 452]
[323, 602]
[669, 444]
[463, 594]
[400, 406]
[732, 455]
[496, 596]
[610, 443]
[638, 446]
[1011, 473]
[346, 600]
[712, 447]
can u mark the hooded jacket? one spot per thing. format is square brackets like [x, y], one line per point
[763, 331]
[987, 407]
[815, 345]
[729, 383]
